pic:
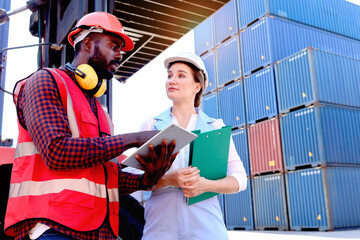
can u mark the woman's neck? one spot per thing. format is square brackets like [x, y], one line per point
[183, 113]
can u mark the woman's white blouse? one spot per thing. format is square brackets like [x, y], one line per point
[235, 165]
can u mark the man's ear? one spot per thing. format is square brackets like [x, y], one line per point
[87, 44]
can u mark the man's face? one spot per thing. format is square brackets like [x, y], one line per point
[106, 56]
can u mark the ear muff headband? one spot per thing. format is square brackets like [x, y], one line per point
[88, 80]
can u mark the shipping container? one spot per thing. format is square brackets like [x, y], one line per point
[225, 22]
[270, 206]
[320, 135]
[239, 210]
[209, 61]
[274, 38]
[232, 104]
[336, 16]
[313, 76]
[204, 36]
[265, 147]
[323, 198]
[228, 61]
[209, 105]
[260, 95]
[240, 139]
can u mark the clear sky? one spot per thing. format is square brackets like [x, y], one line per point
[142, 96]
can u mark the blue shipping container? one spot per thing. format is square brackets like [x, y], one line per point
[320, 135]
[270, 207]
[239, 209]
[324, 198]
[228, 61]
[204, 36]
[313, 76]
[338, 16]
[226, 22]
[275, 38]
[240, 139]
[260, 95]
[209, 61]
[232, 104]
[210, 105]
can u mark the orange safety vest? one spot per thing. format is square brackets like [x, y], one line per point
[76, 198]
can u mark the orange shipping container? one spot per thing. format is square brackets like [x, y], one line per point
[265, 150]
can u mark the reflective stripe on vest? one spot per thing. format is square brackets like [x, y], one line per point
[70, 110]
[34, 188]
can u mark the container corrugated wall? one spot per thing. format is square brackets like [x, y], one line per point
[313, 76]
[270, 206]
[274, 38]
[204, 36]
[265, 147]
[320, 135]
[260, 95]
[232, 97]
[323, 198]
[225, 22]
[240, 139]
[333, 15]
[239, 209]
[228, 61]
[209, 61]
[210, 105]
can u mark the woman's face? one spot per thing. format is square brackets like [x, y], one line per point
[180, 84]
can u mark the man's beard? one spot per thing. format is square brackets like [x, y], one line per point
[99, 63]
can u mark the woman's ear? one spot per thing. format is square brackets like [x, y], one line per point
[197, 88]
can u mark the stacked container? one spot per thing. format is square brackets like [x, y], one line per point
[210, 105]
[239, 206]
[317, 77]
[231, 103]
[290, 79]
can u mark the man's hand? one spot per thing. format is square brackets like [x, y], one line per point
[156, 164]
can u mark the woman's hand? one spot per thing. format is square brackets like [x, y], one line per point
[182, 177]
[197, 188]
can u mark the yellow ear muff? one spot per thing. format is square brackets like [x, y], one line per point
[90, 82]
[101, 90]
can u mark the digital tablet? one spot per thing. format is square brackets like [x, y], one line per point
[173, 132]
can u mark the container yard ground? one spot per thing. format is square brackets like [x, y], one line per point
[294, 235]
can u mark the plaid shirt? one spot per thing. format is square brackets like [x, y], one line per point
[41, 112]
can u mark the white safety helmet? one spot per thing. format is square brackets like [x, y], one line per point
[194, 59]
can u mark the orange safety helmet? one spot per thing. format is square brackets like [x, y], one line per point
[106, 23]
